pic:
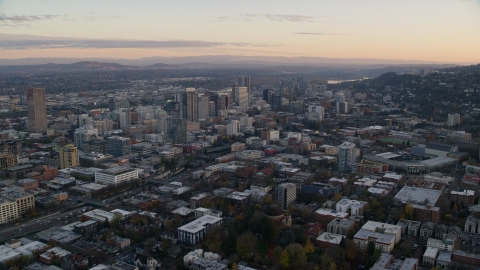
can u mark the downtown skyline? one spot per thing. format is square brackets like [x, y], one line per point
[441, 31]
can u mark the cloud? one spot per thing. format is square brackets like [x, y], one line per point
[21, 42]
[25, 18]
[249, 17]
[318, 34]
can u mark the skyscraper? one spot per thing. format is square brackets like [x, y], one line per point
[244, 81]
[191, 105]
[346, 156]
[287, 193]
[36, 109]
[68, 156]
[177, 130]
[453, 119]
[203, 107]
[119, 146]
[242, 97]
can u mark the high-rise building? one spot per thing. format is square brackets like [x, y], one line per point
[233, 128]
[191, 105]
[118, 146]
[117, 104]
[203, 107]
[297, 107]
[244, 81]
[316, 109]
[68, 156]
[36, 109]
[241, 97]
[82, 134]
[177, 130]
[162, 124]
[453, 119]
[287, 193]
[346, 156]
[276, 102]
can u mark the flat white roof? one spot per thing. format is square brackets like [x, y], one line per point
[464, 193]
[418, 195]
[431, 252]
[332, 238]
[199, 224]
[7, 253]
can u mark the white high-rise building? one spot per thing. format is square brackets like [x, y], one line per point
[346, 156]
[287, 193]
[233, 128]
[453, 119]
[318, 110]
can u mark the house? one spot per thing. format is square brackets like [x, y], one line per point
[409, 227]
[426, 230]
[146, 263]
[444, 259]
[74, 262]
[429, 256]
[118, 241]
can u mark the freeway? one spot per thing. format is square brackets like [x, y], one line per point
[41, 223]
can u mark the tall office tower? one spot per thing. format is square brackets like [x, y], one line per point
[212, 109]
[232, 94]
[346, 156]
[453, 119]
[322, 88]
[118, 146]
[292, 95]
[297, 107]
[95, 146]
[177, 130]
[287, 193]
[162, 124]
[233, 128]
[36, 109]
[222, 103]
[203, 107]
[68, 156]
[343, 107]
[84, 133]
[244, 81]
[318, 110]
[276, 103]
[117, 104]
[125, 118]
[242, 97]
[191, 105]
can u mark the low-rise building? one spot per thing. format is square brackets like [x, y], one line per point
[341, 226]
[447, 243]
[115, 176]
[118, 241]
[466, 197]
[382, 241]
[195, 231]
[429, 256]
[328, 239]
[444, 259]
[388, 262]
[53, 254]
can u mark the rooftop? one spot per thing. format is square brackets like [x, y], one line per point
[379, 237]
[418, 195]
[332, 238]
[200, 223]
[431, 252]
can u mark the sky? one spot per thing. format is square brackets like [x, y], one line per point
[442, 31]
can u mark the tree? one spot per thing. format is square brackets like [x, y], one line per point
[287, 237]
[409, 211]
[337, 197]
[246, 244]
[296, 253]
[234, 266]
[284, 260]
[309, 248]
[106, 224]
[455, 209]
[333, 266]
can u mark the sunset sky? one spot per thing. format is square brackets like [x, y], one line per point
[432, 30]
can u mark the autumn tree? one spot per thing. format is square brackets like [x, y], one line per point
[409, 211]
[296, 254]
[284, 260]
[309, 248]
[246, 244]
[333, 266]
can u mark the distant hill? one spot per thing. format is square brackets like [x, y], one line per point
[472, 68]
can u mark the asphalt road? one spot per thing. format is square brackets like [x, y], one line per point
[38, 224]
